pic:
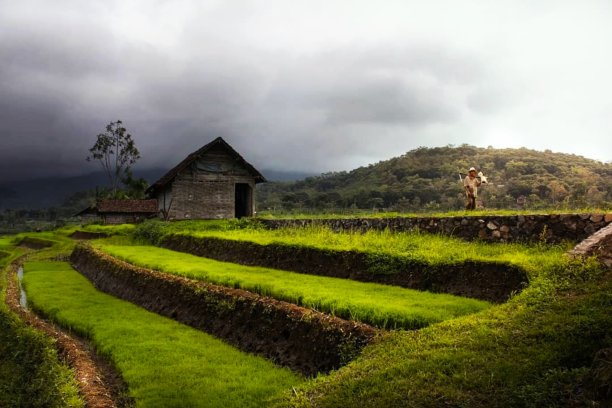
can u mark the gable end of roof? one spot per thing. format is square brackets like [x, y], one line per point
[172, 173]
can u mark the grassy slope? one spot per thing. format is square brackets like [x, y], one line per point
[120, 229]
[30, 373]
[164, 363]
[433, 249]
[320, 214]
[534, 351]
[381, 305]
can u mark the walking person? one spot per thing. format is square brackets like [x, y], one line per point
[471, 184]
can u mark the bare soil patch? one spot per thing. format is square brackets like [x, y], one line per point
[87, 235]
[35, 243]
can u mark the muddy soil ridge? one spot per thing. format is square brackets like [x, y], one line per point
[35, 243]
[305, 340]
[87, 235]
[491, 281]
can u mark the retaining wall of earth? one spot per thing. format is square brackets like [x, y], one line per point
[302, 339]
[491, 281]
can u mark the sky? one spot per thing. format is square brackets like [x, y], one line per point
[310, 86]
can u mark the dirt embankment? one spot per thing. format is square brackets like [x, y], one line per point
[491, 281]
[99, 383]
[302, 339]
[87, 235]
[35, 243]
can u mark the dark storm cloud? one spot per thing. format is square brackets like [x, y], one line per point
[57, 94]
[63, 81]
[179, 74]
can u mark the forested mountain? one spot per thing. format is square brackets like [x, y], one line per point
[428, 178]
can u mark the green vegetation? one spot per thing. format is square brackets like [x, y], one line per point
[409, 246]
[538, 349]
[534, 351]
[349, 213]
[120, 229]
[30, 372]
[164, 363]
[6, 242]
[380, 305]
[427, 179]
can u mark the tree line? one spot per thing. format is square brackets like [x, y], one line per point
[429, 179]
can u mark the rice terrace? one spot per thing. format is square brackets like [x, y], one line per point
[181, 295]
[166, 317]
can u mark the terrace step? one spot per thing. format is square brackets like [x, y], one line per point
[302, 339]
[491, 281]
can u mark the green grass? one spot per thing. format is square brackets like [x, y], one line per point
[422, 247]
[30, 372]
[120, 229]
[534, 351]
[7, 242]
[164, 363]
[376, 304]
[459, 213]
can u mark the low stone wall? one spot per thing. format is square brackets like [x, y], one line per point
[491, 281]
[599, 245]
[302, 339]
[552, 228]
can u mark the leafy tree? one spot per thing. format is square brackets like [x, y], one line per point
[427, 177]
[116, 152]
[135, 188]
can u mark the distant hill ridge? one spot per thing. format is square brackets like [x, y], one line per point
[53, 191]
[429, 178]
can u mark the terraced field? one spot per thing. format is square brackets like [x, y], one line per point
[164, 363]
[30, 372]
[548, 345]
[380, 305]
[434, 249]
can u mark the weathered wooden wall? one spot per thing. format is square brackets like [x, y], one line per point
[206, 190]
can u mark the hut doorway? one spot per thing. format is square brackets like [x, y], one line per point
[244, 199]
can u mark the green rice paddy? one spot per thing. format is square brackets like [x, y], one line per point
[380, 305]
[164, 363]
[421, 247]
[31, 375]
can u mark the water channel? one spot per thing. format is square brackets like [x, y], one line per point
[23, 299]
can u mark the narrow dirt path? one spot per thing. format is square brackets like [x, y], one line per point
[99, 383]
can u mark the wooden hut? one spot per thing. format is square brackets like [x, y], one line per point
[119, 211]
[211, 183]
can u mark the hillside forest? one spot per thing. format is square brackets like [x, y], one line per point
[428, 179]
